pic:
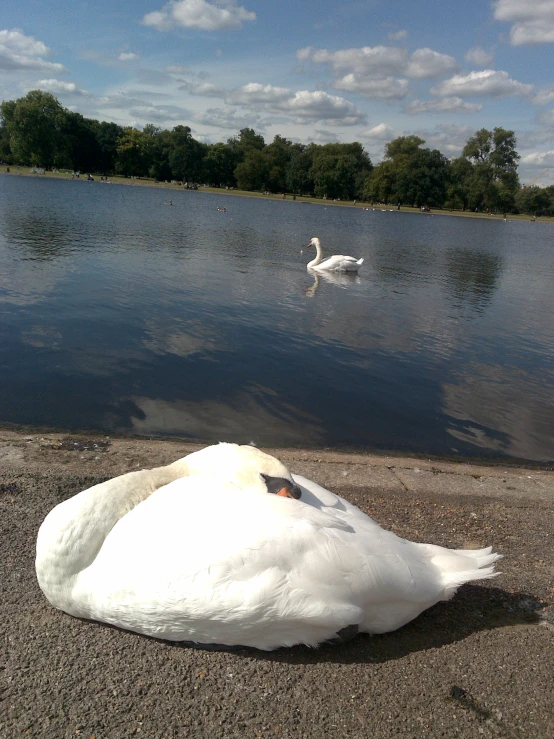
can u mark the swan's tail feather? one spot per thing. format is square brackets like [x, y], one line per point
[460, 566]
[360, 261]
[482, 557]
[453, 580]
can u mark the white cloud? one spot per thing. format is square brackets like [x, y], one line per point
[324, 137]
[304, 106]
[21, 52]
[223, 15]
[444, 105]
[398, 35]
[543, 97]
[127, 56]
[449, 138]
[381, 132]
[250, 105]
[254, 92]
[177, 69]
[382, 61]
[539, 158]
[426, 63]
[158, 113]
[546, 117]
[378, 60]
[387, 88]
[228, 118]
[533, 20]
[379, 72]
[308, 107]
[487, 82]
[57, 86]
[534, 138]
[479, 57]
[120, 101]
[203, 89]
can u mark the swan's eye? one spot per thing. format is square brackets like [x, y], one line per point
[281, 486]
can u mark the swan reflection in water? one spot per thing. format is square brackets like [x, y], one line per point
[342, 279]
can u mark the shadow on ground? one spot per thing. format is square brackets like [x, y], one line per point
[474, 608]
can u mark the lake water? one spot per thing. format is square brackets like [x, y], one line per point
[122, 314]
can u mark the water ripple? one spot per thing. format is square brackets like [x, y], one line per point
[118, 313]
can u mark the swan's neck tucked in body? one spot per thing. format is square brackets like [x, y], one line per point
[73, 532]
[318, 256]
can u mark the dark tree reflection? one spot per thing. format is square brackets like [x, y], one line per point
[472, 277]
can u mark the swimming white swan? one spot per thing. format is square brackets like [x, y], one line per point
[336, 263]
[198, 551]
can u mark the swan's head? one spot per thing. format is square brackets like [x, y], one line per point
[263, 473]
[281, 486]
[244, 466]
[313, 242]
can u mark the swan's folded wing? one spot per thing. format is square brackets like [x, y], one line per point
[202, 525]
[314, 494]
[222, 566]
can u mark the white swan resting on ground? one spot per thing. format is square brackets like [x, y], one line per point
[199, 551]
[336, 263]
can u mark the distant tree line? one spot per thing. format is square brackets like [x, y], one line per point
[36, 130]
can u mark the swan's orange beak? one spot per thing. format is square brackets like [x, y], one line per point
[285, 493]
[281, 486]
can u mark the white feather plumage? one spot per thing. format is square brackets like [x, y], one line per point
[335, 263]
[180, 553]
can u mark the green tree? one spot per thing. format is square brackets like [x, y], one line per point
[107, 136]
[457, 193]
[340, 170]
[219, 166]
[81, 147]
[299, 177]
[380, 186]
[400, 150]
[161, 146]
[186, 155]
[278, 155]
[133, 153]
[389, 181]
[534, 200]
[424, 180]
[494, 182]
[35, 126]
[246, 141]
[6, 114]
[252, 173]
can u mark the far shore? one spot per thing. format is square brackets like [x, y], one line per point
[289, 197]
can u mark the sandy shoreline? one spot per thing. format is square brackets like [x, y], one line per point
[480, 665]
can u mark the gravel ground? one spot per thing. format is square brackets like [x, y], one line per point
[481, 665]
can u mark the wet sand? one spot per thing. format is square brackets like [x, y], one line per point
[480, 665]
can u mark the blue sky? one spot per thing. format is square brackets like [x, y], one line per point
[318, 71]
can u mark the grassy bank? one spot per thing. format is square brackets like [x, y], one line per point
[148, 182]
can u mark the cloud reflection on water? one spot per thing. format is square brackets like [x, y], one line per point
[133, 316]
[183, 338]
[256, 414]
[503, 409]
